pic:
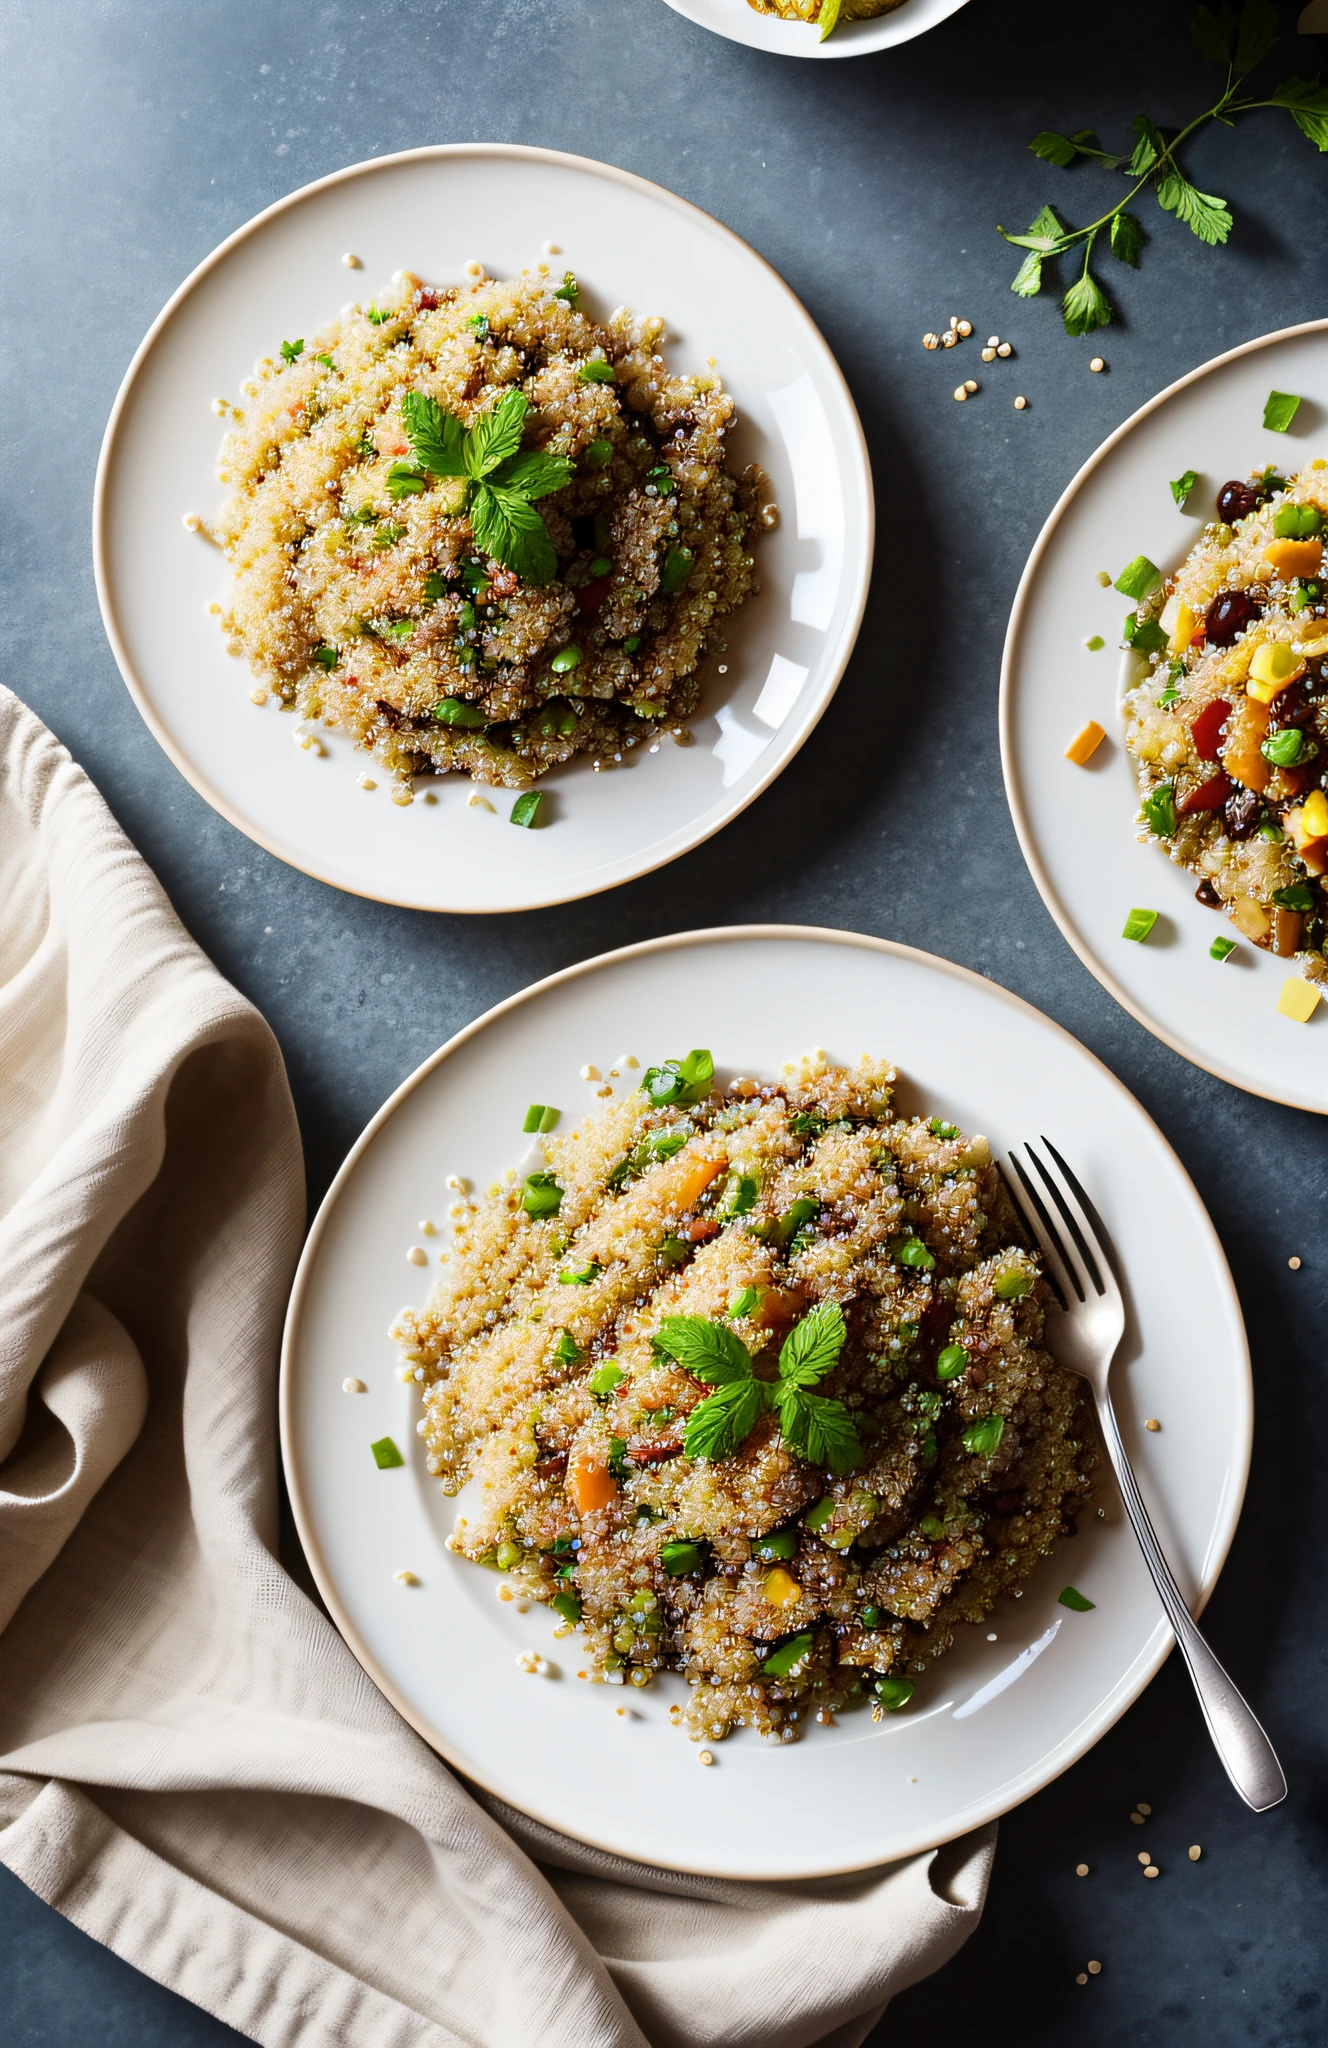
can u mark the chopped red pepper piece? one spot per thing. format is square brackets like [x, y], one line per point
[592, 595]
[1209, 796]
[1200, 638]
[1205, 730]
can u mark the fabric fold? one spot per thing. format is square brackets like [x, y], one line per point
[193, 1767]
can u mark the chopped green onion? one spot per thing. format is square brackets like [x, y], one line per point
[911, 1251]
[326, 361]
[549, 1120]
[435, 586]
[1013, 1286]
[617, 1458]
[983, 1438]
[291, 349]
[932, 1527]
[475, 577]
[1297, 522]
[600, 566]
[606, 1377]
[1306, 590]
[687, 1080]
[1095, 644]
[326, 657]
[478, 324]
[739, 1196]
[456, 711]
[569, 291]
[631, 644]
[780, 1662]
[1221, 949]
[386, 1454]
[541, 1195]
[400, 629]
[567, 1352]
[777, 1547]
[578, 1276]
[1183, 485]
[1138, 578]
[818, 1516]
[1071, 1597]
[940, 1129]
[1296, 896]
[566, 659]
[1159, 808]
[1270, 830]
[1287, 747]
[526, 808]
[595, 371]
[951, 1362]
[404, 480]
[1145, 636]
[677, 568]
[894, 1693]
[600, 451]
[1139, 924]
[742, 1303]
[1279, 411]
[672, 1248]
[568, 1605]
[534, 1116]
[506, 1555]
[870, 1616]
[679, 1557]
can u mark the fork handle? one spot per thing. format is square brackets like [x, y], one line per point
[1245, 1750]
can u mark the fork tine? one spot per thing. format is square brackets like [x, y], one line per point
[1067, 1195]
[1099, 1236]
[1066, 1204]
[1040, 1226]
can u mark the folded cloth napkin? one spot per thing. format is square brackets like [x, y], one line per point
[193, 1767]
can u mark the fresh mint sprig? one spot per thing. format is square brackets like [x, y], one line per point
[815, 1426]
[501, 479]
[1239, 44]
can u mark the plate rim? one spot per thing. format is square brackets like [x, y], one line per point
[1009, 771]
[859, 47]
[839, 656]
[1136, 1678]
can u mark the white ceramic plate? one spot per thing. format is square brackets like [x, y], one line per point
[994, 1721]
[432, 210]
[739, 23]
[1076, 825]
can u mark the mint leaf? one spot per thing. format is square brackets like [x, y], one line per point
[437, 438]
[496, 434]
[1256, 35]
[709, 1351]
[718, 1425]
[1203, 213]
[1214, 34]
[1127, 238]
[291, 349]
[1182, 486]
[1054, 148]
[1307, 102]
[1085, 306]
[983, 1438]
[533, 474]
[512, 531]
[812, 1346]
[817, 1428]
[1149, 148]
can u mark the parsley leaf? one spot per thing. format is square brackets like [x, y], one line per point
[720, 1423]
[812, 1347]
[496, 434]
[1127, 239]
[533, 474]
[1202, 212]
[817, 1428]
[1182, 486]
[1213, 34]
[1149, 149]
[405, 482]
[1256, 35]
[437, 438]
[1054, 148]
[1085, 305]
[1044, 238]
[709, 1351]
[1307, 102]
[513, 532]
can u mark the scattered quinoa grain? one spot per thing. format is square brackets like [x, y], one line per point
[1194, 1852]
[970, 385]
[1152, 1871]
[417, 1255]
[993, 341]
[1145, 1810]
[705, 1756]
[1020, 404]
[988, 355]
[1004, 349]
[353, 1386]
[405, 1578]
[1104, 578]
[1081, 1870]
[961, 392]
[1144, 1856]
[1097, 364]
[1138, 1819]
[351, 261]
[1294, 1263]
[1081, 1978]
[1152, 1423]
[965, 328]
[931, 341]
[258, 695]
[1095, 1969]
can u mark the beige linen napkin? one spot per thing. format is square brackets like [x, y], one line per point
[193, 1767]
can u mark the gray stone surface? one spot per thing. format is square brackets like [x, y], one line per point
[139, 133]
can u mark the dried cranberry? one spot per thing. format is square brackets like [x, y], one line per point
[427, 299]
[1241, 813]
[1207, 895]
[1290, 706]
[591, 596]
[1235, 500]
[1229, 614]
[1209, 796]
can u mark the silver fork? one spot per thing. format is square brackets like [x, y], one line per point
[1086, 1335]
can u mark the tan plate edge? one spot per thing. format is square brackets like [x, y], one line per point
[1135, 1680]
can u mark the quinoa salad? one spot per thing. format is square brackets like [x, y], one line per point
[747, 1382]
[1229, 725]
[480, 532]
[827, 15]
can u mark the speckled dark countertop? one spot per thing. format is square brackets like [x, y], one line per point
[138, 134]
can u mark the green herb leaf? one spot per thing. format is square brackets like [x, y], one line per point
[739, 1196]
[817, 1428]
[1256, 35]
[1127, 238]
[386, 1454]
[780, 1662]
[1297, 522]
[533, 1116]
[595, 371]
[709, 1351]
[1054, 148]
[617, 1458]
[456, 711]
[600, 452]
[911, 1251]
[952, 1361]
[1027, 281]
[568, 1604]
[677, 568]
[437, 438]
[326, 657]
[1145, 636]
[983, 1438]
[939, 1128]
[812, 1346]
[1279, 410]
[1085, 306]
[1182, 486]
[1221, 949]
[1159, 808]
[513, 532]
[717, 1425]
[1296, 896]
[828, 18]
[1307, 102]
[894, 1693]
[1149, 147]
[1013, 1285]
[567, 1351]
[1071, 1597]
[686, 1081]
[291, 349]
[606, 1376]
[742, 1303]
[326, 361]
[403, 481]
[569, 291]
[1213, 35]
[379, 317]
[579, 1276]
[678, 1556]
[496, 434]
[533, 473]
[1203, 213]
[776, 1548]
[541, 1196]
[1139, 924]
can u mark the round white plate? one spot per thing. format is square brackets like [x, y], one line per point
[432, 210]
[739, 23]
[1076, 825]
[994, 1721]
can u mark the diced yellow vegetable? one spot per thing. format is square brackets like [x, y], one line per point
[1251, 918]
[781, 1589]
[1273, 666]
[1299, 999]
[1085, 744]
[1295, 557]
[1179, 624]
[1309, 821]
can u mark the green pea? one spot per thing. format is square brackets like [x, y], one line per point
[679, 1557]
[600, 566]
[456, 711]
[894, 1693]
[600, 451]
[951, 1362]
[871, 1616]
[566, 659]
[506, 1555]
[596, 371]
[678, 565]
[630, 645]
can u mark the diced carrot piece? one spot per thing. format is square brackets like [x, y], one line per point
[1209, 796]
[1287, 927]
[697, 1180]
[1246, 728]
[1315, 857]
[1295, 557]
[1085, 744]
[1205, 729]
[591, 1487]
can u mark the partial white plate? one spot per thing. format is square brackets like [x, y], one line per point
[432, 210]
[995, 1720]
[1076, 825]
[739, 23]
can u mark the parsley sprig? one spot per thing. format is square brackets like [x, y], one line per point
[1239, 44]
[817, 1427]
[501, 480]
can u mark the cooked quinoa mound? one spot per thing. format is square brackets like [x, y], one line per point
[778, 1580]
[1229, 724]
[810, 10]
[369, 604]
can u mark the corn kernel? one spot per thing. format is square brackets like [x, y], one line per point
[1273, 666]
[1299, 999]
[781, 1589]
[1295, 557]
[1085, 744]
[1314, 815]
